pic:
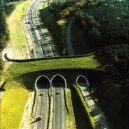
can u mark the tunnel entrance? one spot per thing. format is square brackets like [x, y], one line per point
[42, 82]
[82, 81]
[58, 81]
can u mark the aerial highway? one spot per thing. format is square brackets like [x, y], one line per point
[38, 43]
[40, 47]
[42, 106]
[58, 85]
[59, 108]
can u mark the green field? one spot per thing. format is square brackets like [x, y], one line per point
[15, 96]
[12, 105]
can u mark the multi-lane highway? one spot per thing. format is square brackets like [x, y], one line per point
[38, 43]
[42, 108]
[43, 105]
[40, 47]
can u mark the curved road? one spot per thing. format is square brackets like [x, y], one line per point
[40, 47]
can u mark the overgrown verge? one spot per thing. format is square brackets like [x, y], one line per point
[17, 36]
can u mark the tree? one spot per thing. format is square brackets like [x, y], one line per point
[4, 33]
[112, 16]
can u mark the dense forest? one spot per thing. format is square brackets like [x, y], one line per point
[108, 23]
[104, 22]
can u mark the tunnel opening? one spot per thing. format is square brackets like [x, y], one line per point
[58, 81]
[42, 82]
[82, 81]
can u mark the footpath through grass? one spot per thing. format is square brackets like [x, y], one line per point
[12, 105]
[17, 36]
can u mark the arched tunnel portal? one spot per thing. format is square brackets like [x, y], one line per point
[58, 81]
[42, 82]
[82, 81]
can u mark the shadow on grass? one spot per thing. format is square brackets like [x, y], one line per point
[50, 21]
[81, 117]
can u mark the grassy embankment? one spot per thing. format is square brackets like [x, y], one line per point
[17, 36]
[70, 118]
[15, 96]
[56, 27]
[17, 69]
[87, 109]
[12, 105]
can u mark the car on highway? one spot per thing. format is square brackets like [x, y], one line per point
[38, 118]
[57, 92]
[41, 94]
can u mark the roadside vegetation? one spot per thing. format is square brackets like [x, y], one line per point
[17, 36]
[18, 69]
[82, 117]
[16, 94]
[12, 105]
[57, 28]
[70, 117]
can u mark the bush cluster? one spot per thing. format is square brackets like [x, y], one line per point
[67, 11]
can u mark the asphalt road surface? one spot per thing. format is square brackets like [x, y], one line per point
[59, 109]
[42, 108]
[42, 48]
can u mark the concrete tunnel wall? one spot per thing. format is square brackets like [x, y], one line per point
[43, 79]
[81, 79]
[58, 78]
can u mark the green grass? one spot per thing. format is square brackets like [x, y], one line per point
[15, 96]
[12, 105]
[70, 118]
[17, 36]
[17, 69]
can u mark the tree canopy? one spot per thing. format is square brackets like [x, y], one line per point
[4, 33]
[108, 19]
